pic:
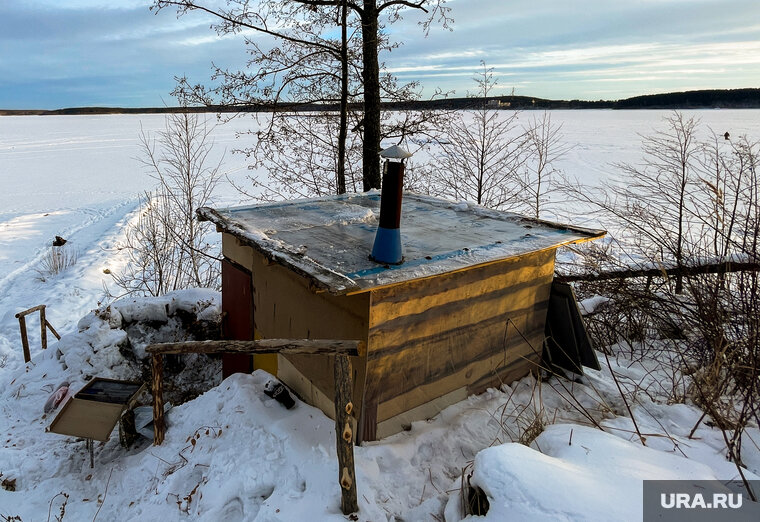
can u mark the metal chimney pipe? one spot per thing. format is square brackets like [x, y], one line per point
[387, 247]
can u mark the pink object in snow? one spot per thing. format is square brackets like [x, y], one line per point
[56, 398]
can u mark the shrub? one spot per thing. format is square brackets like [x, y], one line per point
[55, 260]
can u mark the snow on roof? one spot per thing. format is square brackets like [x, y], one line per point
[328, 240]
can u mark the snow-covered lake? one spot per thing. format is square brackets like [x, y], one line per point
[79, 177]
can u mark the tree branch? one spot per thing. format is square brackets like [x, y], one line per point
[684, 271]
[187, 5]
[405, 3]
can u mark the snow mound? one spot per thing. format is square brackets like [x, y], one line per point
[110, 342]
[597, 476]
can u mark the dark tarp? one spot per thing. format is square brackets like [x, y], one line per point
[567, 346]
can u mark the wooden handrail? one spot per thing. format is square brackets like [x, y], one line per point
[30, 311]
[344, 408]
[285, 346]
[44, 327]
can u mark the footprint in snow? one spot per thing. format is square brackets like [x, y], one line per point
[232, 511]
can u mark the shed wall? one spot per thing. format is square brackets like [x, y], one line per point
[456, 334]
[430, 342]
[286, 307]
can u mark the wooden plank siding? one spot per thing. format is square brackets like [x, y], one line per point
[286, 307]
[431, 337]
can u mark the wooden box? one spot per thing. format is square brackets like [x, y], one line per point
[93, 412]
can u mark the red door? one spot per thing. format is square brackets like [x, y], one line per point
[237, 315]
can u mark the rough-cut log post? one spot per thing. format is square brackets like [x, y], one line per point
[43, 328]
[24, 338]
[288, 346]
[344, 436]
[159, 427]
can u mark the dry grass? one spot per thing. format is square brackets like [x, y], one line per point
[56, 260]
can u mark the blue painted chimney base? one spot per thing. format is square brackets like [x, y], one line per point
[387, 247]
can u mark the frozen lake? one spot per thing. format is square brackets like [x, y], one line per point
[601, 138]
[79, 177]
[53, 162]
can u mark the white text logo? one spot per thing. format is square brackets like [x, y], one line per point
[687, 501]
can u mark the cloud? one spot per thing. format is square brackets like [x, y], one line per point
[557, 49]
[84, 52]
[89, 54]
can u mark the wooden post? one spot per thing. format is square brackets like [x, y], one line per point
[159, 427]
[90, 445]
[43, 328]
[344, 436]
[24, 339]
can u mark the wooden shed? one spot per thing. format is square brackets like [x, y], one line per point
[465, 311]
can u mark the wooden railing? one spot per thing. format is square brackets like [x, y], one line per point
[44, 326]
[341, 349]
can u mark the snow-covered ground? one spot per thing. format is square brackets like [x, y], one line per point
[234, 454]
[77, 177]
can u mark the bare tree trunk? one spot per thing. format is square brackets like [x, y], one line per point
[371, 76]
[723, 267]
[680, 239]
[483, 142]
[343, 99]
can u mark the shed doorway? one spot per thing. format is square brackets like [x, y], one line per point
[237, 315]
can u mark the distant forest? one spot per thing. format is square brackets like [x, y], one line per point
[704, 99]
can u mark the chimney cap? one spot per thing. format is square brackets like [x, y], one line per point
[395, 152]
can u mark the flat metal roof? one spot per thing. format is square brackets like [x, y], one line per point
[328, 240]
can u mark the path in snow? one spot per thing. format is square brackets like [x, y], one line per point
[92, 234]
[77, 177]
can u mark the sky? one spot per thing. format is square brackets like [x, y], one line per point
[73, 53]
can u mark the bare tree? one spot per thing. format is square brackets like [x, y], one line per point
[300, 155]
[167, 248]
[660, 191]
[691, 214]
[545, 147]
[653, 205]
[481, 152]
[300, 151]
[300, 65]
